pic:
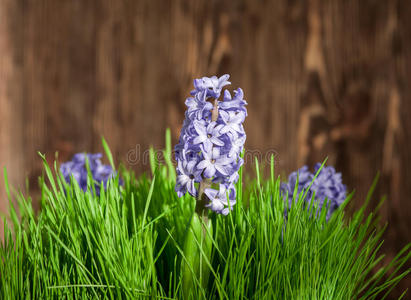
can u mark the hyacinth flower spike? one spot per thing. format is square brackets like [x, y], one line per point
[208, 160]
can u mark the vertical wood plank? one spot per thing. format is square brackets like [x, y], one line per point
[11, 122]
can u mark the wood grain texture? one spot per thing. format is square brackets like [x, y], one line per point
[322, 78]
[11, 104]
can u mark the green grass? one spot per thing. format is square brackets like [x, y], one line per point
[128, 244]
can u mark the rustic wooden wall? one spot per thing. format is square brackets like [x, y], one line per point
[322, 78]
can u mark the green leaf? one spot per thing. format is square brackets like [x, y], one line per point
[108, 153]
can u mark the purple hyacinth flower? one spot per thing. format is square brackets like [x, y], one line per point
[208, 134]
[214, 162]
[237, 145]
[221, 201]
[232, 122]
[326, 186]
[304, 177]
[234, 171]
[76, 170]
[197, 105]
[187, 175]
[211, 141]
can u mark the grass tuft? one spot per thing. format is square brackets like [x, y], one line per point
[127, 243]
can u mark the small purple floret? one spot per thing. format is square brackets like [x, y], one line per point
[221, 200]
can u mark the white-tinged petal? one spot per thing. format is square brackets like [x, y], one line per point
[236, 127]
[199, 139]
[227, 95]
[202, 96]
[208, 106]
[223, 78]
[234, 177]
[209, 171]
[239, 118]
[239, 94]
[208, 145]
[224, 160]
[191, 166]
[180, 166]
[215, 205]
[207, 154]
[215, 153]
[210, 127]
[223, 170]
[216, 131]
[180, 194]
[210, 193]
[183, 179]
[203, 164]
[224, 115]
[191, 188]
[190, 102]
[225, 129]
[216, 141]
[200, 128]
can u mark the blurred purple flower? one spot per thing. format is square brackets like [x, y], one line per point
[77, 169]
[326, 186]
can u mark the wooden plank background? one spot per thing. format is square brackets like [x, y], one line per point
[322, 78]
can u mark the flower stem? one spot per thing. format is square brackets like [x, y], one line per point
[202, 198]
[214, 112]
[206, 182]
